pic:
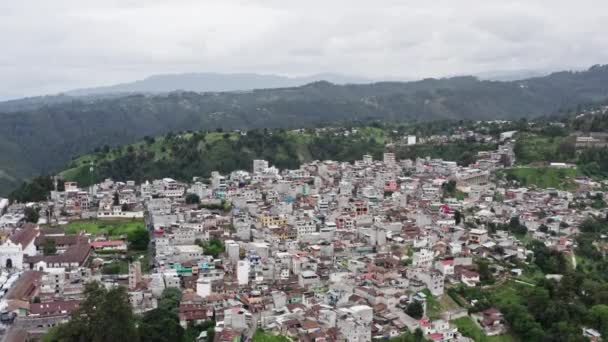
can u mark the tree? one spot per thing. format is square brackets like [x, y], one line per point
[160, 325]
[111, 268]
[193, 199]
[31, 214]
[516, 227]
[116, 199]
[485, 274]
[139, 239]
[505, 160]
[598, 317]
[104, 316]
[36, 190]
[458, 216]
[170, 299]
[466, 159]
[213, 247]
[415, 309]
[566, 150]
[549, 261]
[49, 247]
[449, 188]
[194, 330]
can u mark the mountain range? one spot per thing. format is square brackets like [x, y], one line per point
[40, 135]
[214, 82]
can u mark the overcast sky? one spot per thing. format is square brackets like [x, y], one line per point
[52, 46]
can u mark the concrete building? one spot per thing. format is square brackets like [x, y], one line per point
[389, 158]
[308, 278]
[134, 274]
[233, 250]
[355, 323]
[242, 272]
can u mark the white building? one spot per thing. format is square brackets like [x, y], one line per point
[260, 166]
[355, 323]
[423, 258]
[203, 287]
[18, 245]
[233, 250]
[389, 158]
[308, 278]
[242, 272]
[11, 255]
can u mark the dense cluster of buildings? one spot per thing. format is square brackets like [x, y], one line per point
[331, 251]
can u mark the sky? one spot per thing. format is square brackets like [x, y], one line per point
[59, 45]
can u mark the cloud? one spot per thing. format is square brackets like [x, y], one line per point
[50, 46]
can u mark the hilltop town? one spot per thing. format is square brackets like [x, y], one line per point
[331, 251]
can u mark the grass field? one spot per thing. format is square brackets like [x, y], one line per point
[114, 228]
[507, 293]
[433, 306]
[120, 265]
[543, 177]
[468, 328]
[533, 148]
[262, 336]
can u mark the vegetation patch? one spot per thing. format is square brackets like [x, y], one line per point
[433, 307]
[469, 328]
[262, 336]
[543, 177]
[113, 228]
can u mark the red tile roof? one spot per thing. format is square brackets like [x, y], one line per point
[62, 307]
[109, 243]
[25, 235]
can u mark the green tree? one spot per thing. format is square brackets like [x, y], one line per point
[139, 239]
[449, 188]
[116, 199]
[32, 214]
[213, 247]
[485, 274]
[160, 325]
[104, 316]
[170, 299]
[38, 189]
[415, 309]
[598, 317]
[49, 247]
[458, 217]
[112, 268]
[466, 159]
[192, 199]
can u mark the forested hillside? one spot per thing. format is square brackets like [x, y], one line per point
[43, 138]
[183, 156]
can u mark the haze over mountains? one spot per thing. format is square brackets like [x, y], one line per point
[214, 82]
[166, 83]
[40, 135]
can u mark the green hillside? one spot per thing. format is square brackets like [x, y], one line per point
[187, 155]
[42, 135]
[183, 156]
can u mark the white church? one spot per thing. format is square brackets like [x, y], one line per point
[18, 245]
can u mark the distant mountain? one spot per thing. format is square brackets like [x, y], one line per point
[43, 139]
[34, 102]
[511, 75]
[213, 82]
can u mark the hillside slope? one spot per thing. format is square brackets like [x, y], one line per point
[183, 156]
[43, 139]
[212, 82]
